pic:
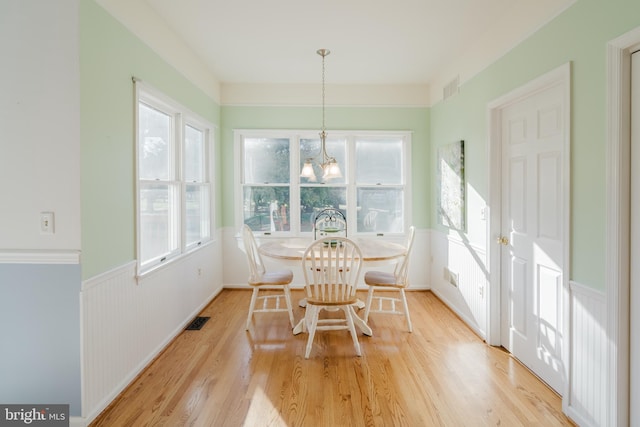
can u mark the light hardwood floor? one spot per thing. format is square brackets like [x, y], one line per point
[442, 374]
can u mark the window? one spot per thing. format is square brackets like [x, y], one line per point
[173, 179]
[372, 193]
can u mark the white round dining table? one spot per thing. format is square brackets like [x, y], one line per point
[375, 251]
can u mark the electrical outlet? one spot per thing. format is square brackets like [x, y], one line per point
[451, 277]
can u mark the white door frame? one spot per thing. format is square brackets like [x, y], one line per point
[560, 75]
[618, 185]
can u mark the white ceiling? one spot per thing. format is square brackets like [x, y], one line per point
[371, 41]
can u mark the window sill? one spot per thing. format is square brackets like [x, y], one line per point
[149, 272]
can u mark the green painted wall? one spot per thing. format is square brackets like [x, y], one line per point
[579, 35]
[337, 118]
[109, 56]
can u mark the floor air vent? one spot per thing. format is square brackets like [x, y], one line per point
[197, 323]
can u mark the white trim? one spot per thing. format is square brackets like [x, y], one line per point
[180, 117]
[587, 291]
[155, 95]
[109, 275]
[561, 75]
[144, 275]
[39, 257]
[618, 223]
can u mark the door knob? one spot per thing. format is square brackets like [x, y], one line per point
[502, 240]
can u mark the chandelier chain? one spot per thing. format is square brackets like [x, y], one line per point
[329, 165]
[323, 128]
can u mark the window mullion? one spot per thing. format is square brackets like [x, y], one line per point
[178, 164]
[352, 202]
[294, 185]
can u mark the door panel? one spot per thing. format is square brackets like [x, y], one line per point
[518, 296]
[549, 202]
[532, 212]
[518, 194]
[549, 294]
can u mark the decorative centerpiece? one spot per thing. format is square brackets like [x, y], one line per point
[331, 230]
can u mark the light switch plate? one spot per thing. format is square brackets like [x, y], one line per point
[46, 223]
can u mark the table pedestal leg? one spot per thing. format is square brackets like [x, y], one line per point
[298, 328]
[361, 324]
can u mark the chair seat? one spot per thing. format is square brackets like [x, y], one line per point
[381, 278]
[327, 302]
[277, 277]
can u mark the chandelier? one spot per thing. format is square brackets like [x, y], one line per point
[328, 164]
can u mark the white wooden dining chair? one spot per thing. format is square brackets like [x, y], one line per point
[261, 280]
[385, 282]
[331, 267]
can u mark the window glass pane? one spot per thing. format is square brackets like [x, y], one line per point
[197, 209]
[266, 208]
[314, 199]
[310, 149]
[158, 221]
[380, 210]
[193, 154]
[154, 137]
[379, 161]
[266, 160]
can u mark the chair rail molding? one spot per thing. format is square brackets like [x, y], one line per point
[34, 256]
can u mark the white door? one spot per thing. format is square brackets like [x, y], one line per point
[634, 308]
[532, 135]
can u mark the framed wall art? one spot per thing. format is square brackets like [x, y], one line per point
[451, 186]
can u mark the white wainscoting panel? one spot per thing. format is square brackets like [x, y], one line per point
[587, 400]
[455, 260]
[126, 323]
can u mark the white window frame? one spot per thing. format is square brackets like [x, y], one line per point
[181, 117]
[294, 185]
